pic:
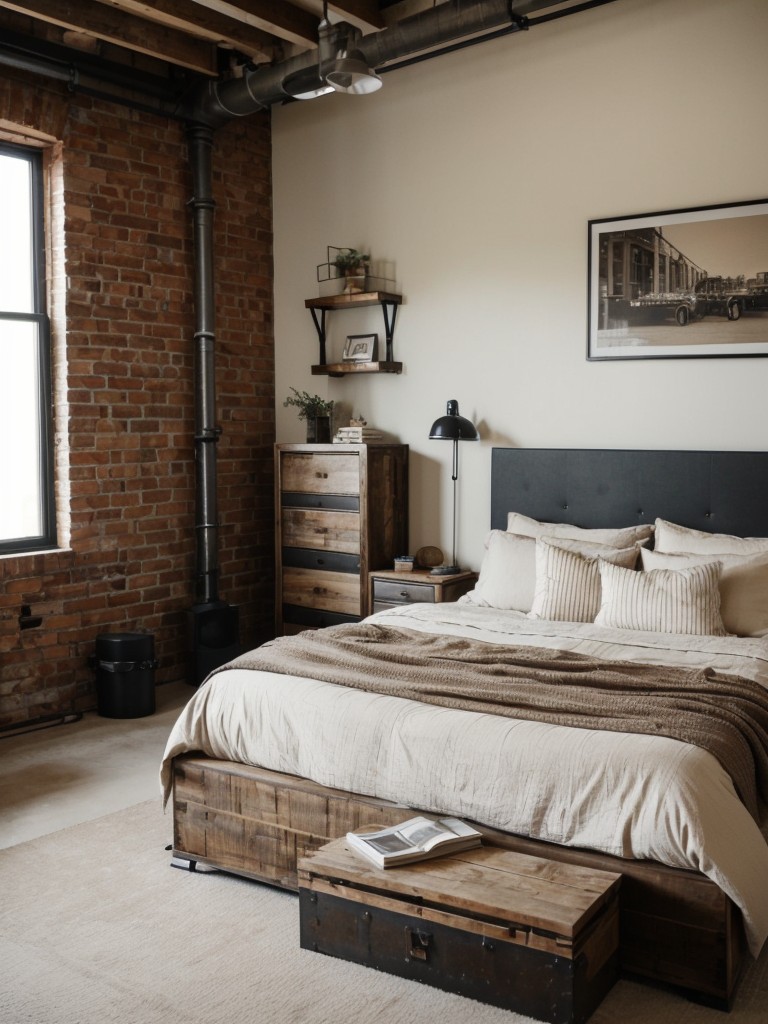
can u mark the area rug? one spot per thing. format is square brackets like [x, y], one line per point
[97, 928]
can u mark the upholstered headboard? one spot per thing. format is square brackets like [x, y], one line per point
[721, 492]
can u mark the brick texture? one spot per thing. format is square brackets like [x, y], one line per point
[124, 353]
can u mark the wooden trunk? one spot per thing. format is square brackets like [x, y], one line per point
[519, 932]
[676, 926]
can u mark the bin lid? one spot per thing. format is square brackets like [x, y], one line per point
[124, 646]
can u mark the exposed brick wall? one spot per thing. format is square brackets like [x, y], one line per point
[124, 295]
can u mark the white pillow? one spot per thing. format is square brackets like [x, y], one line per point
[508, 570]
[674, 539]
[568, 583]
[619, 538]
[743, 587]
[662, 600]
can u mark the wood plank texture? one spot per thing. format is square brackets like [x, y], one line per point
[320, 472]
[316, 588]
[323, 530]
[487, 883]
[676, 926]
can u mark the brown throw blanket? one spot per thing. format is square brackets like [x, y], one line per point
[724, 715]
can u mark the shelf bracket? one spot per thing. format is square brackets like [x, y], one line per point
[389, 309]
[320, 327]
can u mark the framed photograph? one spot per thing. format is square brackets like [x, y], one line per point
[361, 348]
[679, 284]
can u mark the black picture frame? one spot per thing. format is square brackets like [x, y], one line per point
[677, 284]
[361, 348]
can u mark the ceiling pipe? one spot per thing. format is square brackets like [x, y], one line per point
[258, 89]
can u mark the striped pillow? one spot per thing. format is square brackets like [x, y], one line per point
[568, 583]
[662, 600]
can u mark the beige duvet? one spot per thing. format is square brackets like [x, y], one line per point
[638, 796]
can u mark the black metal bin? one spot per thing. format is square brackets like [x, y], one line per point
[125, 675]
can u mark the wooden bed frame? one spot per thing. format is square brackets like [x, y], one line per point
[677, 927]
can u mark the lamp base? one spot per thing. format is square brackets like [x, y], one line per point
[445, 570]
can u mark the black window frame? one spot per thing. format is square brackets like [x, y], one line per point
[47, 537]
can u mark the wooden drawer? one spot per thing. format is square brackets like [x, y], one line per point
[314, 588]
[332, 502]
[329, 561]
[332, 531]
[393, 592]
[390, 589]
[320, 472]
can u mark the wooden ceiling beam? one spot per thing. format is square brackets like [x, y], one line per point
[365, 14]
[286, 20]
[121, 29]
[205, 23]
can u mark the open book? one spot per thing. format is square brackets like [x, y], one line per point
[415, 839]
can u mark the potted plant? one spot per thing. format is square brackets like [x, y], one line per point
[353, 267]
[316, 411]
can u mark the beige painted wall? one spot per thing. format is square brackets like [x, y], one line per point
[476, 174]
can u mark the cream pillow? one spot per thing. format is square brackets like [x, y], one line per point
[568, 583]
[619, 538]
[662, 600]
[743, 587]
[677, 540]
[508, 570]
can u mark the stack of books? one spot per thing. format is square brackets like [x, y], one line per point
[357, 435]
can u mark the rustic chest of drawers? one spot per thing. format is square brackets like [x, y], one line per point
[342, 510]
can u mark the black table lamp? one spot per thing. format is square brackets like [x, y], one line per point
[453, 427]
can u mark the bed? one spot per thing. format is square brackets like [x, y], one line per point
[271, 758]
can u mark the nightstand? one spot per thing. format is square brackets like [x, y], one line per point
[391, 588]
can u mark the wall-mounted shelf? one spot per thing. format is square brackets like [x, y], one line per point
[320, 306]
[342, 369]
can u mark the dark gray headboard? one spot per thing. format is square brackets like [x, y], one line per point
[721, 492]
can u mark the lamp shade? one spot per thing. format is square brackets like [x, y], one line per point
[350, 73]
[306, 84]
[453, 427]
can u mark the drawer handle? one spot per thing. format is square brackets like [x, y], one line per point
[403, 593]
[321, 476]
[321, 529]
[320, 561]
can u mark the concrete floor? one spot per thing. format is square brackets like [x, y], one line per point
[60, 776]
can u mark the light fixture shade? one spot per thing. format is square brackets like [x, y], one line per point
[306, 84]
[340, 67]
[350, 73]
[453, 427]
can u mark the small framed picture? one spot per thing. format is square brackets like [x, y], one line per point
[361, 348]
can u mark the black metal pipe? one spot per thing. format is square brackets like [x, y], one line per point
[517, 26]
[200, 142]
[258, 89]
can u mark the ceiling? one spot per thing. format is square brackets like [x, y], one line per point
[181, 40]
[138, 49]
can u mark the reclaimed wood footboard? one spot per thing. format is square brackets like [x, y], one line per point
[676, 927]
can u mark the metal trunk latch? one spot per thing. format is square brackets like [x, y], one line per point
[416, 944]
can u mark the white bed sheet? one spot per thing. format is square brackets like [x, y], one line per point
[629, 795]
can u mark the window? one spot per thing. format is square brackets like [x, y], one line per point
[27, 520]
